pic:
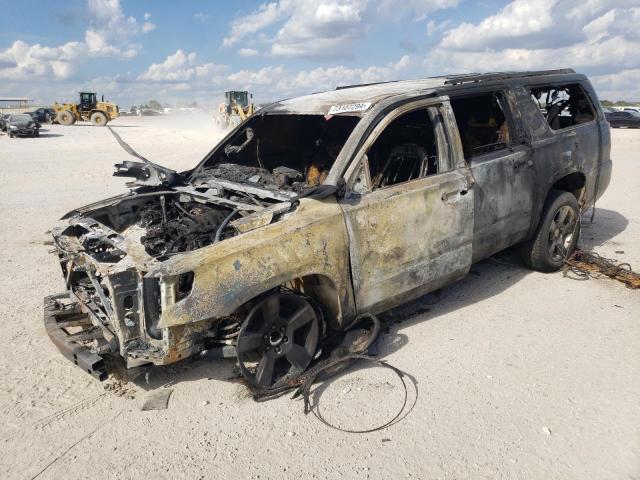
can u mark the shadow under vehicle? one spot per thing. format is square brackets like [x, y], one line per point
[323, 207]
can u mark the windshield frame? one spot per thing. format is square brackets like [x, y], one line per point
[232, 133]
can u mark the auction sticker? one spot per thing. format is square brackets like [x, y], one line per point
[349, 107]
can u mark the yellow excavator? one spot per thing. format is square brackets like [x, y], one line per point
[235, 109]
[99, 113]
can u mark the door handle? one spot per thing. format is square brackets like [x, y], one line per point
[452, 197]
[521, 163]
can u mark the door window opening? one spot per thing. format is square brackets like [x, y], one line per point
[404, 151]
[563, 106]
[482, 123]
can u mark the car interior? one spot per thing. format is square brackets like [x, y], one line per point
[404, 151]
[482, 123]
[563, 106]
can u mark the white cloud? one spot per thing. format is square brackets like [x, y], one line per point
[23, 60]
[266, 15]
[248, 52]
[624, 85]
[325, 29]
[277, 82]
[434, 27]
[517, 19]
[109, 34]
[147, 15]
[181, 67]
[148, 27]
[201, 17]
[597, 37]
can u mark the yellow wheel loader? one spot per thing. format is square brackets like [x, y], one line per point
[99, 113]
[235, 109]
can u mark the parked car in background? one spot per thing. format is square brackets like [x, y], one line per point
[631, 109]
[43, 115]
[21, 124]
[629, 119]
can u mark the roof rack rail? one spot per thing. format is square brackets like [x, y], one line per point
[342, 87]
[480, 77]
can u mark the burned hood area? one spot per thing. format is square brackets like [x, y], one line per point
[271, 161]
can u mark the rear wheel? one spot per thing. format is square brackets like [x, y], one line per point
[277, 339]
[556, 236]
[66, 118]
[98, 119]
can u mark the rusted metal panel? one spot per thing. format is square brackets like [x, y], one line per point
[312, 240]
[409, 239]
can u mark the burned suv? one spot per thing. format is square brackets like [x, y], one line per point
[323, 207]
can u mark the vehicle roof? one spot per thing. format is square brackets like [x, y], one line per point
[320, 103]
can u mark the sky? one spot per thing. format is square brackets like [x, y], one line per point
[135, 50]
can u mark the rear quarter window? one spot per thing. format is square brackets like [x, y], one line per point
[563, 106]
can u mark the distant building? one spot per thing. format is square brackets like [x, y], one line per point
[14, 104]
[11, 102]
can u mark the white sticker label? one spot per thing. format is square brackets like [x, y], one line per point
[349, 107]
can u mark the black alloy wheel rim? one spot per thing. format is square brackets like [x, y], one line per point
[281, 334]
[561, 232]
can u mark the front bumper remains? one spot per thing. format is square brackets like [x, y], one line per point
[70, 330]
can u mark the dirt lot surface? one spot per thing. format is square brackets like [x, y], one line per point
[519, 374]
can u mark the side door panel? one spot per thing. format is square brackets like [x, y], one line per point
[505, 188]
[410, 238]
[504, 198]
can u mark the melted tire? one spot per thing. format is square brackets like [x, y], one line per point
[535, 252]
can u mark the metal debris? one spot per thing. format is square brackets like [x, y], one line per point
[584, 264]
[157, 399]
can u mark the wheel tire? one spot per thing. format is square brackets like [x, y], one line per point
[66, 118]
[98, 119]
[11, 135]
[234, 121]
[557, 234]
[280, 333]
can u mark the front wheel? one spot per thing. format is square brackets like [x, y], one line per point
[98, 119]
[277, 339]
[556, 236]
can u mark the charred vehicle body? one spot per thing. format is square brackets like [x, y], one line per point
[323, 207]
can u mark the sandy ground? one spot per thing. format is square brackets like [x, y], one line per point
[518, 374]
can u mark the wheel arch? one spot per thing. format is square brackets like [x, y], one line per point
[574, 182]
[321, 288]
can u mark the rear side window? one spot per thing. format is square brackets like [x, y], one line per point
[563, 106]
[482, 123]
